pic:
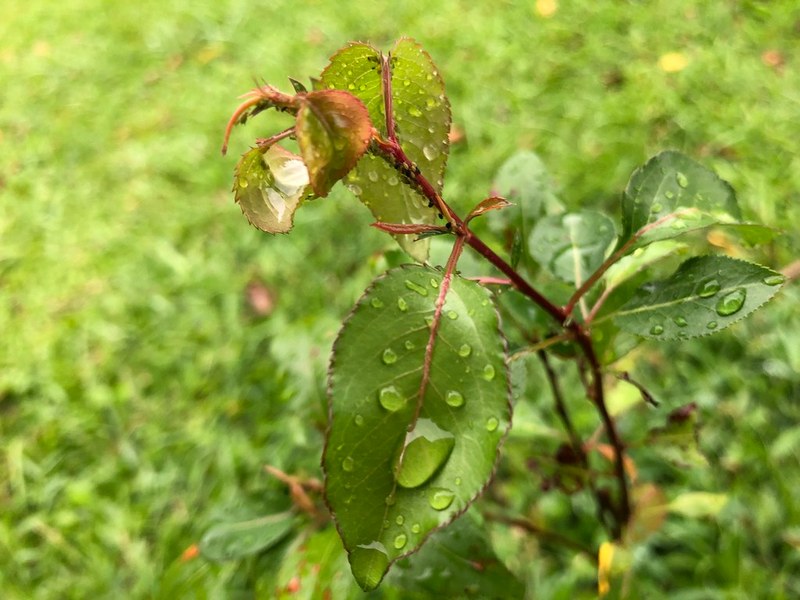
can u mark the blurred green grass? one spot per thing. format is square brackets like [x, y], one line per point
[139, 392]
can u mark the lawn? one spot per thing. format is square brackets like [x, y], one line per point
[157, 352]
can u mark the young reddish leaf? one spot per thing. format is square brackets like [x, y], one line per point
[392, 475]
[333, 132]
[269, 186]
[484, 206]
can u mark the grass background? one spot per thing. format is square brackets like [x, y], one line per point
[140, 394]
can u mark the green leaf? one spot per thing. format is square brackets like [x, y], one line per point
[422, 115]
[230, 541]
[269, 186]
[639, 260]
[573, 245]
[392, 478]
[524, 180]
[705, 295]
[671, 195]
[696, 505]
[457, 562]
[333, 132]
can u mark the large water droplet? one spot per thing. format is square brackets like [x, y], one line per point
[731, 303]
[348, 464]
[682, 180]
[402, 304]
[488, 372]
[391, 399]
[440, 498]
[426, 448]
[708, 288]
[656, 330]
[376, 303]
[430, 151]
[491, 424]
[680, 321]
[774, 280]
[454, 399]
[368, 563]
[389, 357]
[465, 350]
[400, 541]
[415, 287]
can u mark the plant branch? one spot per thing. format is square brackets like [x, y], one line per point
[561, 409]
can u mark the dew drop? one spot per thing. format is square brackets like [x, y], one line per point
[348, 464]
[359, 420]
[429, 321]
[712, 325]
[389, 357]
[431, 103]
[708, 288]
[368, 563]
[440, 498]
[406, 82]
[669, 195]
[390, 499]
[458, 480]
[774, 280]
[391, 399]
[376, 303]
[682, 180]
[452, 315]
[351, 86]
[400, 519]
[656, 330]
[488, 372]
[427, 447]
[354, 188]
[430, 151]
[680, 321]
[402, 304]
[372, 176]
[656, 208]
[415, 287]
[491, 424]
[409, 345]
[243, 183]
[392, 180]
[434, 283]
[731, 303]
[454, 399]
[414, 111]
[386, 523]
[465, 350]
[400, 541]
[416, 528]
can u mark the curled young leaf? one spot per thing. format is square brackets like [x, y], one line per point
[333, 132]
[269, 186]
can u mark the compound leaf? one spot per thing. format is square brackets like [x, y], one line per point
[333, 131]
[671, 195]
[705, 295]
[421, 113]
[393, 476]
[573, 245]
[269, 186]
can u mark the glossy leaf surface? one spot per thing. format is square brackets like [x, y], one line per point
[422, 117]
[457, 562]
[672, 194]
[391, 478]
[333, 131]
[230, 541]
[573, 245]
[705, 295]
[269, 186]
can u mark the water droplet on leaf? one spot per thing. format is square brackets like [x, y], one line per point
[656, 330]
[440, 498]
[465, 350]
[414, 111]
[372, 176]
[491, 424]
[402, 304]
[409, 345]
[774, 280]
[348, 464]
[708, 288]
[430, 151]
[731, 303]
[656, 207]
[488, 372]
[400, 541]
[391, 399]
[415, 287]
[452, 315]
[682, 180]
[669, 195]
[400, 519]
[389, 357]
[454, 399]
[680, 321]
[359, 420]
[434, 283]
[376, 303]
[416, 528]
[426, 448]
[712, 325]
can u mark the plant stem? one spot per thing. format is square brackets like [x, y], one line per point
[561, 409]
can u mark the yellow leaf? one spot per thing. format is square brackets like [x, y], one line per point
[546, 8]
[672, 62]
[605, 556]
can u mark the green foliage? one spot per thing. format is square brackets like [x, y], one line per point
[398, 465]
[230, 541]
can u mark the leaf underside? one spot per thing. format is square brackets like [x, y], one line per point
[705, 295]
[384, 512]
[671, 195]
[422, 115]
